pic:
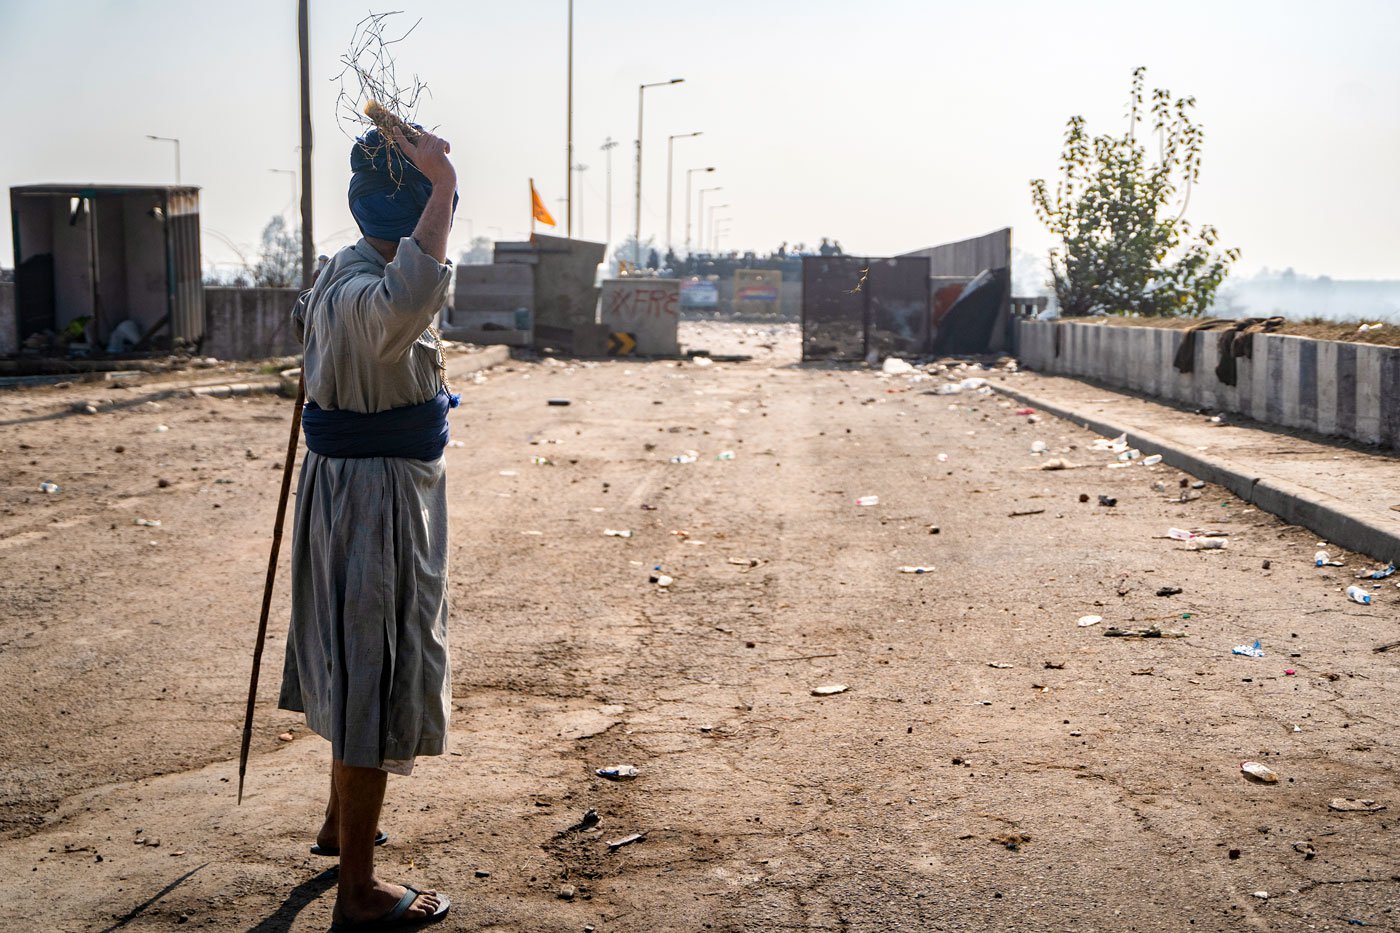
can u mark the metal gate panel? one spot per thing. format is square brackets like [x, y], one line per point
[899, 306]
[833, 308]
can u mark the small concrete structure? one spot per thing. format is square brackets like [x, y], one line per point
[493, 304]
[1349, 390]
[563, 275]
[111, 253]
[648, 309]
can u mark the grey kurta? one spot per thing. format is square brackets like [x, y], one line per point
[367, 647]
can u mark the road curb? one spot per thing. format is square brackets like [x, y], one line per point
[1327, 516]
[477, 360]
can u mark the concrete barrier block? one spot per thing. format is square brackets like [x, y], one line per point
[1368, 393]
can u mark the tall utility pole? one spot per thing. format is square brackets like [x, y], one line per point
[641, 92]
[569, 149]
[608, 146]
[670, 144]
[688, 173]
[308, 243]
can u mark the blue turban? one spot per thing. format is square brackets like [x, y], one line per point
[387, 192]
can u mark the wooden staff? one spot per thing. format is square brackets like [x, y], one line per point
[271, 576]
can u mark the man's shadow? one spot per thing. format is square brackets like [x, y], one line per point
[296, 901]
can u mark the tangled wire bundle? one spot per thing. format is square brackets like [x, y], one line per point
[371, 94]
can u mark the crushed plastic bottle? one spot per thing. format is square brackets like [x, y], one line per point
[1255, 650]
[1131, 453]
[617, 532]
[1380, 574]
[1203, 543]
[868, 500]
[147, 522]
[1152, 460]
[690, 456]
[541, 461]
[910, 569]
[1357, 595]
[1259, 772]
[49, 488]
[618, 772]
[1039, 447]
[725, 455]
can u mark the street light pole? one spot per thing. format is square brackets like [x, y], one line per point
[700, 233]
[292, 175]
[670, 144]
[569, 149]
[170, 139]
[580, 168]
[637, 228]
[688, 173]
[608, 146]
[713, 208]
[719, 231]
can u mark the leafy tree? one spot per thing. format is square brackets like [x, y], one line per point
[626, 252]
[279, 263]
[1119, 216]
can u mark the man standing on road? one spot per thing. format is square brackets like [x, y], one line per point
[367, 648]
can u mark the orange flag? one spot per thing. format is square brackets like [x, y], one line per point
[537, 207]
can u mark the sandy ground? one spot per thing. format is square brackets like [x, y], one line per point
[992, 766]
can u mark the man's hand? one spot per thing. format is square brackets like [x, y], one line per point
[429, 154]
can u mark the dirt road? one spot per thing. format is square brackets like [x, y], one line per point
[993, 765]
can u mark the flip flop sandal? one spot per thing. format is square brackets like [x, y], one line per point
[395, 919]
[333, 851]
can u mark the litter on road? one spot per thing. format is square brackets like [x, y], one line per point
[626, 841]
[829, 690]
[1354, 805]
[1249, 651]
[1259, 772]
[618, 772]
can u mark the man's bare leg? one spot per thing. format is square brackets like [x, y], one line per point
[329, 836]
[359, 793]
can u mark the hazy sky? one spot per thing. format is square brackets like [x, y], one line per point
[890, 124]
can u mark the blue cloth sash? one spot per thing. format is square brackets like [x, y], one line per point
[414, 432]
